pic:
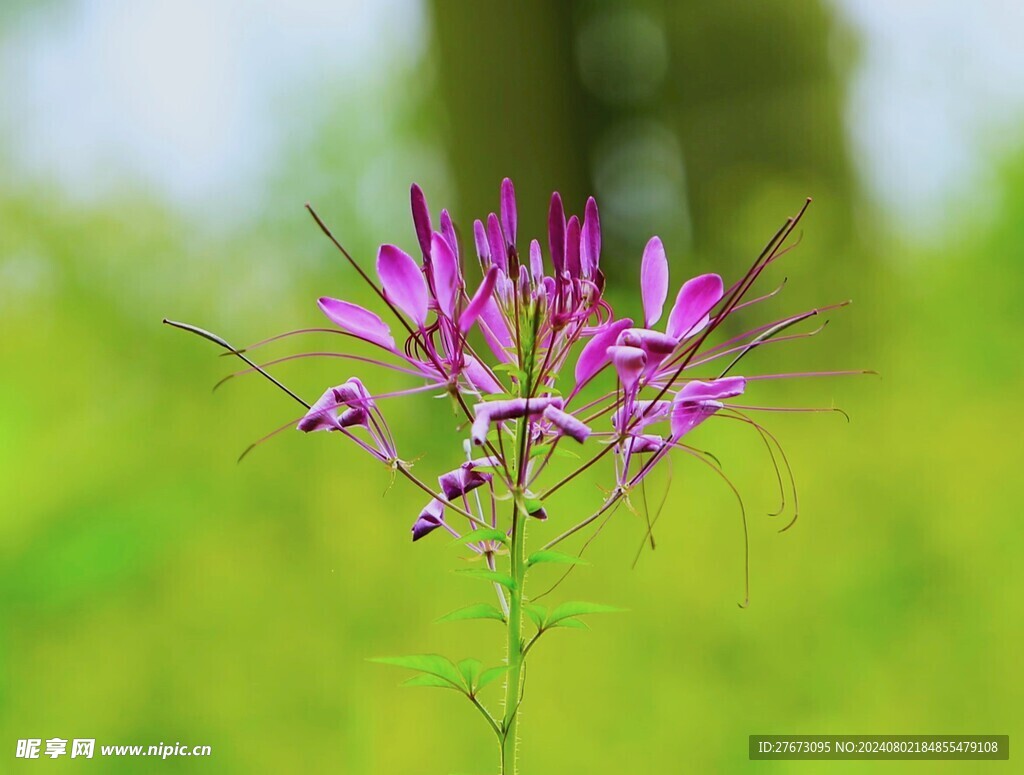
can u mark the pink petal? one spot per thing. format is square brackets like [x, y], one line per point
[480, 239]
[322, 416]
[421, 218]
[727, 387]
[447, 277]
[536, 260]
[629, 363]
[496, 242]
[566, 423]
[572, 247]
[508, 210]
[590, 247]
[479, 300]
[403, 282]
[358, 321]
[479, 377]
[556, 233]
[687, 416]
[448, 230]
[653, 281]
[494, 328]
[594, 355]
[695, 301]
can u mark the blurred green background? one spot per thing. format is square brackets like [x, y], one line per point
[156, 158]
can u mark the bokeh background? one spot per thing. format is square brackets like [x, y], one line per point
[156, 158]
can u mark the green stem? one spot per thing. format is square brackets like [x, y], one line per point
[515, 647]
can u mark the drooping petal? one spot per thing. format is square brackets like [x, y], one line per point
[479, 300]
[322, 416]
[403, 281]
[568, 424]
[483, 250]
[493, 326]
[496, 242]
[651, 342]
[572, 247]
[479, 377]
[508, 409]
[686, 416]
[463, 479]
[653, 281]
[508, 210]
[358, 321]
[693, 304]
[644, 443]
[727, 387]
[590, 244]
[594, 355]
[536, 261]
[421, 219]
[556, 233]
[447, 278]
[645, 412]
[629, 363]
[431, 518]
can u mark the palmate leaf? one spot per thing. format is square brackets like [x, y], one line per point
[575, 624]
[425, 679]
[482, 534]
[470, 669]
[433, 665]
[479, 611]
[490, 575]
[488, 676]
[538, 614]
[569, 610]
[557, 557]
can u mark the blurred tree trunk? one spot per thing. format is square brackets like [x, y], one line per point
[707, 122]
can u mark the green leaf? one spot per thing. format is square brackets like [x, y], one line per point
[567, 610]
[431, 664]
[425, 679]
[488, 676]
[490, 575]
[482, 534]
[470, 669]
[537, 613]
[576, 624]
[479, 611]
[550, 556]
[561, 451]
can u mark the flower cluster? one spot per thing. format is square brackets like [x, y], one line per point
[498, 346]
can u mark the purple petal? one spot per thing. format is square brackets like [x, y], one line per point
[463, 479]
[536, 260]
[695, 301]
[644, 443]
[508, 409]
[479, 377]
[508, 210]
[496, 242]
[421, 219]
[572, 247]
[447, 277]
[322, 416]
[653, 281]
[358, 321]
[493, 326]
[590, 245]
[651, 342]
[480, 238]
[727, 387]
[629, 363]
[479, 300]
[448, 230]
[556, 233]
[647, 412]
[568, 424]
[403, 281]
[431, 518]
[687, 416]
[594, 356]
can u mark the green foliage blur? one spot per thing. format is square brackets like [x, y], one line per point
[154, 590]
